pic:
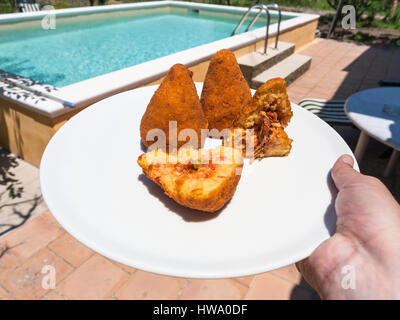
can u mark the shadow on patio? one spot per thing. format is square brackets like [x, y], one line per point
[341, 68]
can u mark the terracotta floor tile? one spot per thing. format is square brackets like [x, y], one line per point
[48, 216]
[25, 282]
[269, 287]
[31, 237]
[128, 269]
[71, 249]
[146, 285]
[214, 289]
[296, 98]
[294, 90]
[289, 273]
[325, 89]
[96, 278]
[303, 84]
[319, 94]
[52, 295]
[329, 84]
[245, 280]
[4, 295]
[7, 263]
[298, 94]
[321, 70]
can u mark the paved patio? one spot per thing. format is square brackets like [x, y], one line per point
[20, 196]
[338, 70]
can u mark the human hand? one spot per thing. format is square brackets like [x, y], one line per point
[367, 239]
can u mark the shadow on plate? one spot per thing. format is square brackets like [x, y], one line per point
[330, 213]
[143, 147]
[187, 214]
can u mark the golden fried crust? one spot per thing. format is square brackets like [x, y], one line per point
[225, 91]
[176, 99]
[206, 187]
[216, 199]
[271, 96]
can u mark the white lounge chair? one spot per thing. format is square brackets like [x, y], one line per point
[328, 110]
[28, 6]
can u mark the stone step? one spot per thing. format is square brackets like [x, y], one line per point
[256, 62]
[289, 69]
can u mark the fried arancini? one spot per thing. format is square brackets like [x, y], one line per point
[270, 97]
[267, 115]
[274, 144]
[176, 99]
[225, 91]
[199, 179]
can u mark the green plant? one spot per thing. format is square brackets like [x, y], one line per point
[394, 16]
[315, 4]
[61, 5]
[380, 24]
[5, 8]
[361, 6]
[381, 15]
[102, 2]
[396, 41]
[361, 37]
[8, 6]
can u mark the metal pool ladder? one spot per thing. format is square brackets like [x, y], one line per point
[261, 7]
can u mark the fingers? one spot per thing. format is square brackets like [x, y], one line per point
[343, 172]
[301, 266]
[308, 273]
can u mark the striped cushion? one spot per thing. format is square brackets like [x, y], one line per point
[29, 7]
[327, 110]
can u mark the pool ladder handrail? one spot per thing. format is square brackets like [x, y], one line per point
[261, 7]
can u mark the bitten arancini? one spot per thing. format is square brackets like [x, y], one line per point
[267, 115]
[270, 97]
[199, 179]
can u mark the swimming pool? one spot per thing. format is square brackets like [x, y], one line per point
[99, 51]
[95, 52]
[81, 48]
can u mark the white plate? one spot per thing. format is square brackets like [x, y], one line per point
[282, 209]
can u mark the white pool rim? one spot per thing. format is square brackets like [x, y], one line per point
[88, 91]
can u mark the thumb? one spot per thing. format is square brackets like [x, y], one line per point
[309, 273]
[343, 172]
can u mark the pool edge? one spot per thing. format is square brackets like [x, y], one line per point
[26, 127]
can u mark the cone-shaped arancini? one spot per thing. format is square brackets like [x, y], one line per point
[176, 99]
[225, 91]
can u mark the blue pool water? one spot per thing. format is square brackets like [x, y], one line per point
[80, 49]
